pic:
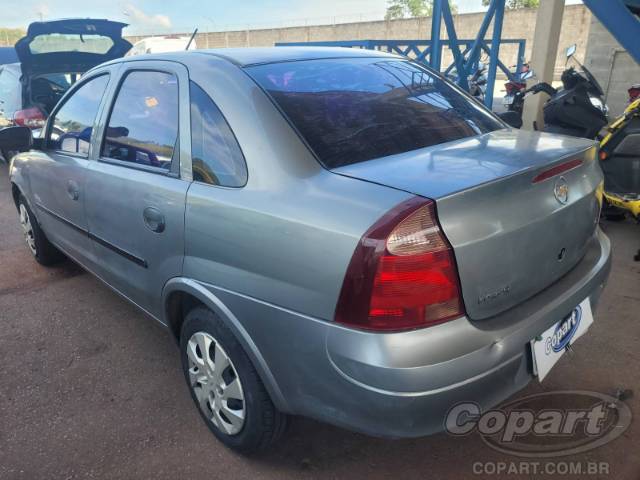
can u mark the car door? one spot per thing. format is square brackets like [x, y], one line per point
[57, 175]
[135, 191]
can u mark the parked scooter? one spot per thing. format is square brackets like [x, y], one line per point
[620, 161]
[577, 109]
[478, 82]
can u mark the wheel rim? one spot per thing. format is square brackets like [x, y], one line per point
[215, 383]
[27, 228]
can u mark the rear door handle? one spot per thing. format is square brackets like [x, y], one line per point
[73, 190]
[153, 219]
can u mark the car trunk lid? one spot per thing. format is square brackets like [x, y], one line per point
[72, 45]
[497, 202]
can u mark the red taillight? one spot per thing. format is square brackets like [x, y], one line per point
[402, 274]
[29, 117]
[634, 92]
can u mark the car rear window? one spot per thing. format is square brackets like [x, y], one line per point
[70, 42]
[353, 110]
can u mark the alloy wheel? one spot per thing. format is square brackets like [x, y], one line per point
[215, 383]
[27, 228]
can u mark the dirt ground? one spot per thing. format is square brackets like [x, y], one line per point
[92, 388]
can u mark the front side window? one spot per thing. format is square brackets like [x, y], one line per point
[215, 154]
[143, 125]
[351, 110]
[73, 123]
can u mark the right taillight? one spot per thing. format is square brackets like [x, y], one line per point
[29, 117]
[402, 274]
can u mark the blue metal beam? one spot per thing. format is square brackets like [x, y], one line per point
[404, 47]
[621, 23]
[495, 50]
[454, 45]
[436, 45]
[466, 53]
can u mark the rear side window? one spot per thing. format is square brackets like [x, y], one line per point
[215, 153]
[143, 125]
[355, 109]
[72, 126]
[10, 95]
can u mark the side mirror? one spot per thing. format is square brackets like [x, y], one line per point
[16, 138]
[571, 50]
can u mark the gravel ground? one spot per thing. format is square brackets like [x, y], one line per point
[91, 388]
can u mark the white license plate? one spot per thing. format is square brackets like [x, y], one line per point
[551, 345]
[508, 100]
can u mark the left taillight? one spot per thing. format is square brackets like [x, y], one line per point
[402, 274]
[29, 117]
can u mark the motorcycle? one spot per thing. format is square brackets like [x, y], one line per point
[514, 86]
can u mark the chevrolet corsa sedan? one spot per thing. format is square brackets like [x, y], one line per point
[334, 233]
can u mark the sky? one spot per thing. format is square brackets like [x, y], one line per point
[153, 16]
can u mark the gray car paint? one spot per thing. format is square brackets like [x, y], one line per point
[493, 213]
[269, 258]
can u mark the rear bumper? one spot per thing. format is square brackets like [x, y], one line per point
[403, 384]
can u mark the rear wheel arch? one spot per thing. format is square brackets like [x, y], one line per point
[15, 193]
[180, 295]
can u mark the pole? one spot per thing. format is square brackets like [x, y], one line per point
[436, 45]
[543, 57]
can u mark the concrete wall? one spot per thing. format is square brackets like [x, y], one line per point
[517, 24]
[612, 66]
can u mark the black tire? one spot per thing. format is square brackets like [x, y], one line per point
[263, 423]
[44, 252]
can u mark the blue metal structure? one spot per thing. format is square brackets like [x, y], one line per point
[620, 17]
[466, 53]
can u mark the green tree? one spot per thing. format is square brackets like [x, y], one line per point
[412, 8]
[512, 4]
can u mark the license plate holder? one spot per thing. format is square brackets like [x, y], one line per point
[547, 349]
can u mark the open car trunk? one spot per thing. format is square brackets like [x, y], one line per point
[54, 54]
[518, 207]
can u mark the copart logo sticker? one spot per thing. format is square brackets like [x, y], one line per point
[564, 332]
[550, 424]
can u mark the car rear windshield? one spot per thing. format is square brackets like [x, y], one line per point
[70, 42]
[355, 109]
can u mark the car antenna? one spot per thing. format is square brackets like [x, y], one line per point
[193, 35]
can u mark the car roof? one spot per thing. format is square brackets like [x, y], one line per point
[259, 55]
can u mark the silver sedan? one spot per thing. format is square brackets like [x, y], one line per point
[334, 233]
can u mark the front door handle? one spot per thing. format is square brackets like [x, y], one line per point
[73, 190]
[153, 219]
